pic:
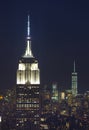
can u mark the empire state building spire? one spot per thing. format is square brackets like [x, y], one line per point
[28, 28]
[28, 51]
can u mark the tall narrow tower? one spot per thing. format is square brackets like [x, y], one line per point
[74, 82]
[27, 89]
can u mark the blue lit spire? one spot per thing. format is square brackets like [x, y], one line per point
[28, 51]
[28, 28]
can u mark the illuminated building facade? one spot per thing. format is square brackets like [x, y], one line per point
[69, 97]
[55, 95]
[74, 82]
[45, 101]
[27, 90]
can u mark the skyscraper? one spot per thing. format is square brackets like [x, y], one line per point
[55, 95]
[28, 89]
[74, 82]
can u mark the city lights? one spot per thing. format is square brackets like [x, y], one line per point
[0, 119]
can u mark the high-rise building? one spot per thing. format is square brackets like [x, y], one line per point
[74, 82]
[45, 101]
[28, 89]
[55, 95]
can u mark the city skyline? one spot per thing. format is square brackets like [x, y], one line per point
[59, 36]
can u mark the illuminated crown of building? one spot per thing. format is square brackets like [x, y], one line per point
[28, 70]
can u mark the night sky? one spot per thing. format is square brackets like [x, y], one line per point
[60, 34]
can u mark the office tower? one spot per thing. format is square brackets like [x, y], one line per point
[74, 82]
[28, 89]
[45, 100]
[55, 95]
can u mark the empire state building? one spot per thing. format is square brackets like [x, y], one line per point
[28, 89]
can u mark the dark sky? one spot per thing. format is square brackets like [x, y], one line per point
[60, 34]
